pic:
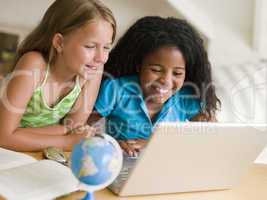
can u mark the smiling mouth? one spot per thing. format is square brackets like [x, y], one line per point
[91, 67]
[162, 91]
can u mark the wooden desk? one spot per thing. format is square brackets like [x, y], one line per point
[252, 186]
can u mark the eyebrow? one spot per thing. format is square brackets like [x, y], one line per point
[155, 64]
[93, 42]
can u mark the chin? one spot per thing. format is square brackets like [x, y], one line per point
[88, 74]
[159, 100]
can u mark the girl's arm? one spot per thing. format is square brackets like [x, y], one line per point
[56, 129]
[27, 75]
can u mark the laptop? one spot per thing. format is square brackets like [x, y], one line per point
[188, 157]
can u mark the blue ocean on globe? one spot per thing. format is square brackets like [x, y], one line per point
[94, 161]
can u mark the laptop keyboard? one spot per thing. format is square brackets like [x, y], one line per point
[128, 164]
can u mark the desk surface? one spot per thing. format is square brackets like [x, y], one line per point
[252, 186]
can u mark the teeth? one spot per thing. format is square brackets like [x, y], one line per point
[162, 91]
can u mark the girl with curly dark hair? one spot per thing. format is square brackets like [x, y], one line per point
[159, 71]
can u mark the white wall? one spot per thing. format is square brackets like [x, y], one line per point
[260, 27]
[128, 11]
[25, 14]
[232, 21]
[235, 14]
[233, 25]
[22, 13]
[243, 92]
[20, 16]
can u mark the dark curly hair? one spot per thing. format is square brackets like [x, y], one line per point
[149, 34]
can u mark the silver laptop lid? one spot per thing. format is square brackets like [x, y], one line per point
[183, 157]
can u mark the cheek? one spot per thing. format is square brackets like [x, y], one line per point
[85, 55]
[150, 77]
[106, 56]
[178, 83]
[78, 53]
[148, 80]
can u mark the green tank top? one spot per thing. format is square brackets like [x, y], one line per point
[39, 114]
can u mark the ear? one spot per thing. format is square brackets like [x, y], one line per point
[57, 42]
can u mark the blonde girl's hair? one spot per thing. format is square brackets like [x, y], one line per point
[63, 16]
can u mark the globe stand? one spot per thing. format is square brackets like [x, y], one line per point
[89, 196]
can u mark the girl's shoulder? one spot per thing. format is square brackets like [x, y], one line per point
[31, 60]
[122, 84]
[123, 81]
[188, 95]
[32, 63]
[187, 90]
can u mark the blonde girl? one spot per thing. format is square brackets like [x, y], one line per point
[56, 78]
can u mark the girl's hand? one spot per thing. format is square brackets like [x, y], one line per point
[203, 118]
[133, 147]
[137, 144]
[89, 130]
[78, 134]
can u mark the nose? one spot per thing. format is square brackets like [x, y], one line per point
[100, 56]
[166, 79]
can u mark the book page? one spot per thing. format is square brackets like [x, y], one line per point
[40, 180]
[9, 159]
[262, 158]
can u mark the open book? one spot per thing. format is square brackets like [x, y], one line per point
[262, 158]
[22, 177]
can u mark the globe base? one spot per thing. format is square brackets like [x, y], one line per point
[89, 196]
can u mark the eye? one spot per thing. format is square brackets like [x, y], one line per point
[155, 69]
[107, 48]
[177, 73]
[90, 46]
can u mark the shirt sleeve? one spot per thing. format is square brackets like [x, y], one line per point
[107, 97]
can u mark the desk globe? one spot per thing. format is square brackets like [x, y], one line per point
[96, 162]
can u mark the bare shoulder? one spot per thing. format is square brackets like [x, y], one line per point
[31, 63]
[31, 60]
[25, 78]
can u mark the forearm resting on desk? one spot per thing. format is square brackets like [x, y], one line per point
[24, 140]
[49, 130]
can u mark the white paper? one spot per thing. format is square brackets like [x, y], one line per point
[23, 177]
[262, 158]
[41, 180]
[9, 159]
